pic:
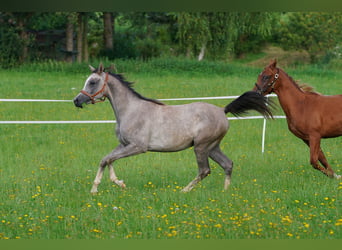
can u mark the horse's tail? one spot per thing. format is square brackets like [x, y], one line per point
[250, 101]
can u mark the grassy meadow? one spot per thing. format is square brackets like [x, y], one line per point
[47, 171]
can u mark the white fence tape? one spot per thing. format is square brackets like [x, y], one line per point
[171, 99]
[113, 121]
[33, 100]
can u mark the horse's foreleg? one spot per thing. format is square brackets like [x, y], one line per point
[119, 152]
[113, 177]
[97, 180]
[227, 164]
[203, 169]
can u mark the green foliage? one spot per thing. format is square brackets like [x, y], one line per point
[253, 30]
[314, 32]
[145, 35]
[223, 32]
[10, 47]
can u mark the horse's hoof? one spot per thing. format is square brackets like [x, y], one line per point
[336, 176]
[185, 190]
[121, 183]
[93, 190]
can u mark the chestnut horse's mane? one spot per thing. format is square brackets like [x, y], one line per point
[303, 86]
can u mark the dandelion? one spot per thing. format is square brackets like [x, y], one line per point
[338, 222]
[286, 219]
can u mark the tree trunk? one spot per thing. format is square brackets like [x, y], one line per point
[22, 20]
[108, 23]
[202, 52]
[69, 46]
[85, 39]
[80, 36]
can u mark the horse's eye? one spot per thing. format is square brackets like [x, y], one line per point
[92, 83]
[265, 78]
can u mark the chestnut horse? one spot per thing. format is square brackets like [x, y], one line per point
[310, 116]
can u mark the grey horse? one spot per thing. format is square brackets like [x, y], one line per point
[145, 124]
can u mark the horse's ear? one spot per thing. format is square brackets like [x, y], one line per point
[113, 68]
[100, 69]
[273, 63]
[92, 69]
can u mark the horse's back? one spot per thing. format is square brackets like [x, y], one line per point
[176, 127]
[327, 112]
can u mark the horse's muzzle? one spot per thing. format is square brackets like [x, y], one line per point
[78, 101]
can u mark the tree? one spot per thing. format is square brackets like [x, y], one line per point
[108, 30]
[252, 30]
[22, 21]
[69, 39]
[194, 32]
[315, 32]
[82, 37]
[217, 32]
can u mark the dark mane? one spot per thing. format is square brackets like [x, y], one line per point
[129, 85]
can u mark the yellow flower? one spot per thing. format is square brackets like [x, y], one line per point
[306, 225]
[286, 219]
[338, 222]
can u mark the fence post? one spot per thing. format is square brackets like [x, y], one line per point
[263, 136]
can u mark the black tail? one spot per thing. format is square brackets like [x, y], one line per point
[250, 101]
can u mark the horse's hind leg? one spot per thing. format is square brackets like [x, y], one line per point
[316, 154]
[324, 162]
[227, 164]
[203, 167]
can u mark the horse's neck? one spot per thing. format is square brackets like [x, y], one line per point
[289, 95]
[120, 98]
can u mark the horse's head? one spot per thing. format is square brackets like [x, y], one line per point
[94, 88]
[267, 79]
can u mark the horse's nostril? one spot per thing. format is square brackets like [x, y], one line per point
[77, 103]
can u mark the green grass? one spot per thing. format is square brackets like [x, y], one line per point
[47, 171]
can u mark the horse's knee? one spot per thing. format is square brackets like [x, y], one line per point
[228, 167]
[204, 172]
[106, 161]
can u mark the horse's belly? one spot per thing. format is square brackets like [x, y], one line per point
[170, 144]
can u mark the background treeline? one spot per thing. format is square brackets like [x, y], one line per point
[81, 36]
